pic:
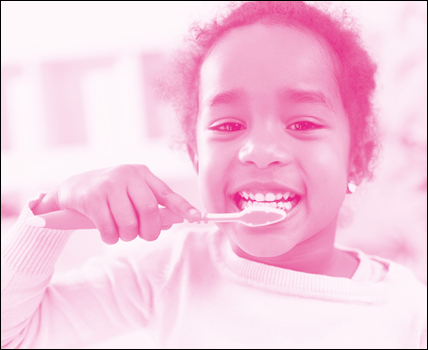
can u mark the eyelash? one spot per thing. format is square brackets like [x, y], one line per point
[312, 126]
[217, 127]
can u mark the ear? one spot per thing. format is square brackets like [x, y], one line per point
[354, 173]
[193, 157]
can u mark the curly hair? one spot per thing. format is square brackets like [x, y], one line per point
[355, 74]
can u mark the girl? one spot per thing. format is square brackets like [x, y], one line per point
[275, 103]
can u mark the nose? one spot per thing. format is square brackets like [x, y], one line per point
[265, 150]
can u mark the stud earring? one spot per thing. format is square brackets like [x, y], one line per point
[352, 187]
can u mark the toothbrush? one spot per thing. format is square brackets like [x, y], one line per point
[73, 220]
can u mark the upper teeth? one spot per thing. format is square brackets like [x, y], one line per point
[268, 197]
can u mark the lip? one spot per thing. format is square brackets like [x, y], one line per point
[265, 186]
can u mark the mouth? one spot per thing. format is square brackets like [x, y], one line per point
[286, 201]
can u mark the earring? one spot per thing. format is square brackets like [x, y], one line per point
[352, 187]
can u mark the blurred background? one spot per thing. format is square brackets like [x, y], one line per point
[77, 94]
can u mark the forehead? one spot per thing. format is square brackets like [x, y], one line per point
[260, 61]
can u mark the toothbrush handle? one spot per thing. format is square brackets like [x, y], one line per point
[73, 220]
[223, 217]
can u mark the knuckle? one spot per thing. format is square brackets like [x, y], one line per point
[90, 205]
[107, 185]
[150, 227]
[109, 234]
[143, 167]
[96, 198]
[121, 170]
[129, 237]
[151, 235]
[166, 191]
[124, 167]
[95, 194]
[182, 203]
[130, 225]
[109, 231]
[111, 240]
[150, 209]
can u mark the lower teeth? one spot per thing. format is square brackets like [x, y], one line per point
[279, 205]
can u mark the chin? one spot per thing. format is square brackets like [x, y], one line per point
[267, 244]
[263, 251]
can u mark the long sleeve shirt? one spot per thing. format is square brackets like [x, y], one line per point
[193, 291]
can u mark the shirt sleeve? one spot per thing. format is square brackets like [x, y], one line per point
[104, 298]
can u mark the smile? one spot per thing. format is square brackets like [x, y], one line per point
[281, 200]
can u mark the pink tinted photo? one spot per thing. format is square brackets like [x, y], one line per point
[214, 174]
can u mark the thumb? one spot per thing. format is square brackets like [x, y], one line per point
[46, 205]
[168, 217]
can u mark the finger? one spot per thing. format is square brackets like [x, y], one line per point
[124, 215]
[104, 221]
[169, 218]
[168, 198]
[147, 209]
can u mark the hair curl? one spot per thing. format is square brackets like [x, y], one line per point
[355, 75]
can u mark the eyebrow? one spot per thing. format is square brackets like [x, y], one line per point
[227, 97]
[305, 96]
[286, 94]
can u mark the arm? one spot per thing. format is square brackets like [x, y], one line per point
[99, 301]
[104, 299]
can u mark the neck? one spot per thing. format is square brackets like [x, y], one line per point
[316, 255]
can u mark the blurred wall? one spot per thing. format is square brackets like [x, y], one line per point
[388, 216]
[77, 91]
[76, 94]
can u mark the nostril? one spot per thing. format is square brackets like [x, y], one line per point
[264, 156]
[265, 159]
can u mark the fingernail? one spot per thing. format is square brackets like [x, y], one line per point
[193, 211]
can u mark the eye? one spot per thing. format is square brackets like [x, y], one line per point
[227, 127]
[304, 126]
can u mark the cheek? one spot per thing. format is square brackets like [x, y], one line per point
[211, 174]
[328, 169]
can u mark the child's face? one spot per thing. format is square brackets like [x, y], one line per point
[255, 135]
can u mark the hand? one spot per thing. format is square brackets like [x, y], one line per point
[122, 201]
